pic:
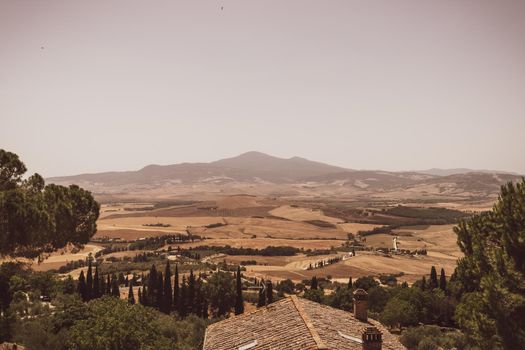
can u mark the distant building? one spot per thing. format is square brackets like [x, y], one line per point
[299, 324]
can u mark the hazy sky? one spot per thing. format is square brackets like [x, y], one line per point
[88, 86]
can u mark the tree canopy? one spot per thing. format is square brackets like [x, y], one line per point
[36, 218]
[492, 273]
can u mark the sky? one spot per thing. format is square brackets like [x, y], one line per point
[103, 85]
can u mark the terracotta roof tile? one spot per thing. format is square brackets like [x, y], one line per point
[294, 324]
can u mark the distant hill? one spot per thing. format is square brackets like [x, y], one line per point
[265, 174]
[446, 172]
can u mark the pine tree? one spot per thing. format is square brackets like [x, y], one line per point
[443, 280]
[115, 288]
[89, 282]
[81, 287]
[96, 284]
[423, 283]
[176, 289]
[433, 283]
[239, 303]
[131, 297]
[350, 283]
[269, 292]
[313, 283]
[168, 293]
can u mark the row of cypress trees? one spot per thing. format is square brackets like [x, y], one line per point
[189, 296]
[93, 286]
[433, 281]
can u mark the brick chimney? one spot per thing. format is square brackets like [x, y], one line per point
[372, 339]
[361, 305]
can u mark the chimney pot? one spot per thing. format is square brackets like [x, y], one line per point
[372, 339]
[361, 305]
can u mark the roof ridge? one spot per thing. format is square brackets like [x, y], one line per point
[320, 344]
[249, 313]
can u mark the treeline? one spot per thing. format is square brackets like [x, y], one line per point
[214, 225]
[450, 216]
[161, 205]
[322, 263]
[159, 224]
[149, 243]
[268, 251]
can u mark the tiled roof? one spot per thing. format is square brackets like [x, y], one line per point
[294, 324]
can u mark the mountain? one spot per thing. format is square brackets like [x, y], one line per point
[247, 167]
[288, 169]
[259, 173]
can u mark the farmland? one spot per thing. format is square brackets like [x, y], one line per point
[318, 230]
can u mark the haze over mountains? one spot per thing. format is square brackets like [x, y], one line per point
[255, 170]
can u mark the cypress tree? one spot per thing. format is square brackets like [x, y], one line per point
[443, 280]
[204, 306]
[183, 310]
[81, 287]
[152, 286]
[353, 252]
[239, 303]
[139, 296]
[102, 288]
[423, 283]
[190, 298]
[160, 292]
[176, 289]
[313, 283]
[433, 283]
[108, 285]
[115, 289]
[96, 284]
[131, 297]
[199, 298]
[350, 283]
[269, 292]
[89, 282]
[168, 293]
[144, 295]
[121, 279]
[261, 301]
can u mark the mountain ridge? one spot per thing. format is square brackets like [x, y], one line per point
[255, 169]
